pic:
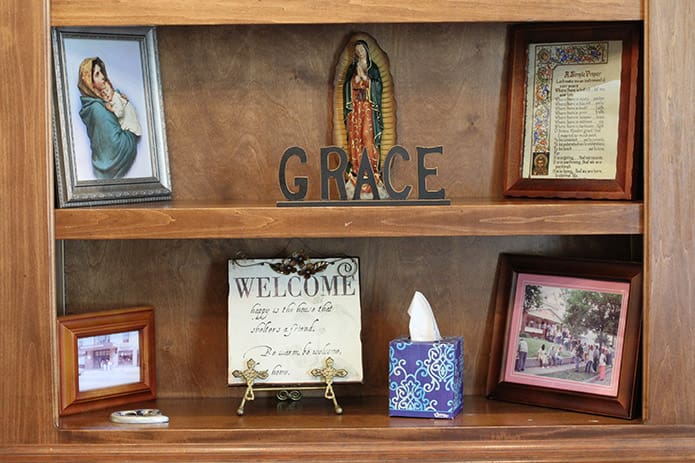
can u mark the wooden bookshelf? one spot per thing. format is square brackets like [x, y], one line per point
[274, 59]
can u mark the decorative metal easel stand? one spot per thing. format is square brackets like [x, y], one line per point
[327, 373]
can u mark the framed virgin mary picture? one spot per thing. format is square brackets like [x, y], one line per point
[573, 111]
[109, 138]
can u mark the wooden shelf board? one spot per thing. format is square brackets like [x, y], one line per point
[209, 430]
[160, 12]
[486, 430]
[461, 218]
[268, 417]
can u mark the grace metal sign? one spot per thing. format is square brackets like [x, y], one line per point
[365, 178]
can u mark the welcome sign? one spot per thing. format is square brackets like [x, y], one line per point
[289, 319]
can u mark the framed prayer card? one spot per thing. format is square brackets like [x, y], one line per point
[573, 110]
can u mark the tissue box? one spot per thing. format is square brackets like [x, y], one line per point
[426, 378]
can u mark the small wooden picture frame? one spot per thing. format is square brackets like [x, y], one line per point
[106, 359]
[567, 334]
[573, 110]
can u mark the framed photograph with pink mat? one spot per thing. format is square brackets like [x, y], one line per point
[566, 334]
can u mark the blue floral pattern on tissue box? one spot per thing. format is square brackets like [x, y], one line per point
[426, 378]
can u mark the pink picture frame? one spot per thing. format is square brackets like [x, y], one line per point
[567, 334]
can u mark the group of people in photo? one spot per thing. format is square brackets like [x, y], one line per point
[559, 349]
[596, 358]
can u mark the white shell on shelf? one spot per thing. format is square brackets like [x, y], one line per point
[139, 416]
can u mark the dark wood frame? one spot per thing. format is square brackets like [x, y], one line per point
[72, 327]
[623, 186]
[624, 403]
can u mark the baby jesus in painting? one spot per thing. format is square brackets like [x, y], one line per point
[118, 104]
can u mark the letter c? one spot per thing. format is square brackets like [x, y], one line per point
[393, 194]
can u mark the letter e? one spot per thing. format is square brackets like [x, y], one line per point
[423, 173]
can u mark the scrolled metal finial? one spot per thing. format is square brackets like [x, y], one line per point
[312, 268]
[298, 263]
[286, 394]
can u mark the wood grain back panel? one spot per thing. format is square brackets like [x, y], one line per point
[236, 97]
[186, 282]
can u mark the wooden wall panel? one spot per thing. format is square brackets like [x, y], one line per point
[26, 260]
[237, 96]
[186, 281]
[670, 211]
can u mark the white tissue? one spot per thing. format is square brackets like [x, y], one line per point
[423, 326]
